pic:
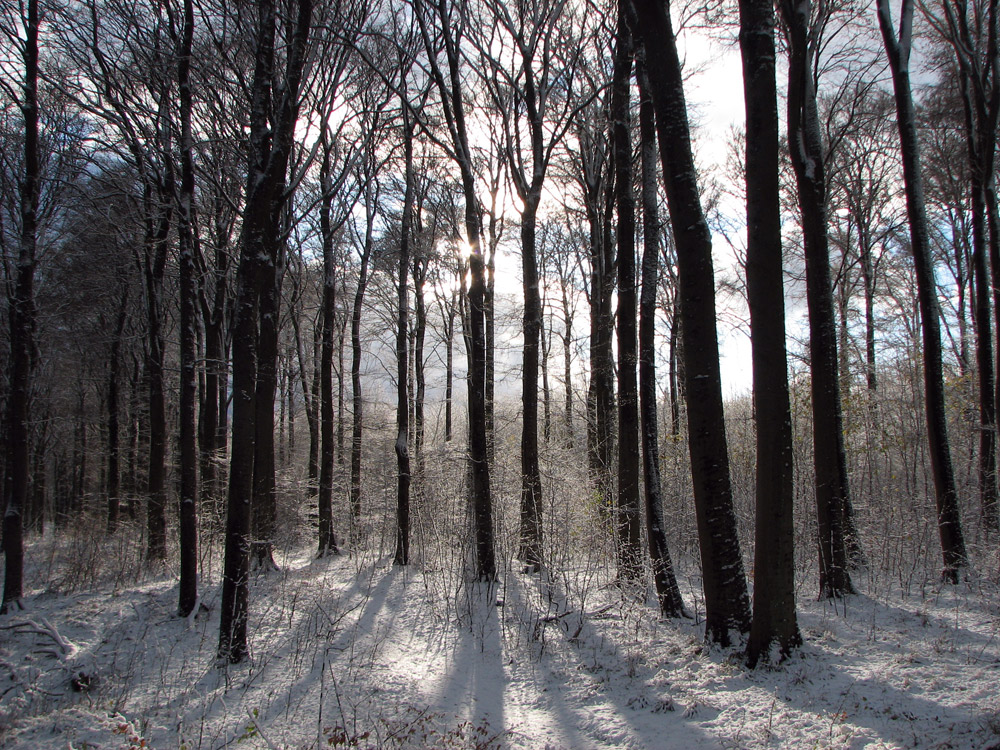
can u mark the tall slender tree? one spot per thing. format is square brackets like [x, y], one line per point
[442, 25]
[22, 322]
[402, 552]
[627, 519]
[808, 161]
[727, 605]
[664, 579]
[187, 250]
[898, 50]
[774, 619]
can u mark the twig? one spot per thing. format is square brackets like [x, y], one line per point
[260, 731]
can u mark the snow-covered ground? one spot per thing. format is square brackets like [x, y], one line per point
[351, 652]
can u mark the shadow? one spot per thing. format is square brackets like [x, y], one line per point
[587, 692]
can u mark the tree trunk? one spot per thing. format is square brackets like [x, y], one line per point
[114, 452]
[271, 135]
[327, 538]
[599, 198]
[188, 594]
[984, 357]
[480, 413]
[668, 593]
[946, 495]
[829, 455]
[264, 503]
[567, 342]
[545, 344]
[22, 326]
[402, 552]
[530, 552]
[774, 618]
[156, 503]
[726, 600]
[357, 399]
[627, 520]
[419, 334]
[449, 372]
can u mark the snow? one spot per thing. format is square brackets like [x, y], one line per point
[349, 651]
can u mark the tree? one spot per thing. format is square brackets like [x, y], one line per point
[370, 165]
[727, 605]
[22, 313]
[977, 60]
[627, 499]
[402, 552]
[667, 591]
[442, 26]
[808, 161]
[774, 620]
[271, 134]
[529, 66]
[188, 589]
[898, 50]
[327, 538]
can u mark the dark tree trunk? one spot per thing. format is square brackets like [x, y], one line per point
[236, 570]
[984, 358]
[668, 593]
[22, 326]
[599, 200]
[991, 520]
[357, 399]
[726, 599]
[672, 375]
[419, 333]
[449, 85]
[222, 429]
[979, 85]
[489, 333]
[627, 518]
[482, 504]
[341, 453]
[774, 618]
[264, 481]
[530, 552]
[545, 344]
[449, 373]
[327, 538]
[35, 520]
[135, 430]
[567, 342]
[156, 504]
[271, 134]
[829, 455]
[188, 595]
[946, 494]
[114, 453]
[402, 553]
[868, 278]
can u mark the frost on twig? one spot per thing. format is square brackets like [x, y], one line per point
[61, 648]
[56, 646]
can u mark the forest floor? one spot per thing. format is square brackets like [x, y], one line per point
[349, 651]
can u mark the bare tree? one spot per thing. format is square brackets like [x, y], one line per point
[664, 579]
[898, 50]
[774, 618]
[971, 31]
[808, 161]
[273, 114]
[726, 600]
[627, 523]
[443, 24]
[22, 308]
